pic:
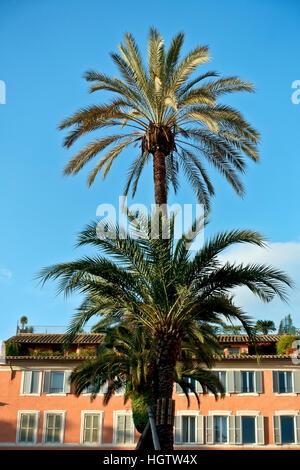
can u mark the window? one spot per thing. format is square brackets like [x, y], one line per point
[248, 430]
[31, 383]
[189, 429]
[234, 351]
[244, 381]
[196, 384]
[220, 429]
[222, 377]
[54, 427]
[124, 430]
[103, 389]
[57, 382]
[248, 382]
[27, 427]
[285, 382]
[287, 429]
[91, 428]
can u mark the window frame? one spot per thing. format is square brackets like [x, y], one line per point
[37, 415]
[227, 429]
[291, 414]
[115, 427]
[100, 413]
[194, 414]
[62, 431]
[247, 380]
[22, 394]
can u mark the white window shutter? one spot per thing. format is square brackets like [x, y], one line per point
[120, 428]
[209, 429]
[230, 381]
[47, 377]
[277, 430]
[260, 430]
[275, 381]
[27, 381]
[67, 384]
[297, 382]
[258, 382]
[178, 389]
[238, 429]
[237, 381]
[129, 429]
[178, 423]
[297, 418]
[231, 420]
[199, 429]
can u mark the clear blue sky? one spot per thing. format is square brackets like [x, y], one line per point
[46, 46]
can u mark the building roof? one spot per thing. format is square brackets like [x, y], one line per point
[96, 338]
[230, 357]
[31, 338]
[245, 338]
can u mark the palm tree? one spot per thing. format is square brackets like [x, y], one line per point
[265, 326]
[23, 321]
[156, 283]
[125, 360]
[234, 329]
[171, 115]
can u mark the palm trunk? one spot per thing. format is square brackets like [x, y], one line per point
[167, 346]
[165, 390]
[160, 179]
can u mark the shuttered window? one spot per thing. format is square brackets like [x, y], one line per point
[189, 429]
[57, 382]
[222, 376]
[220, 429]
[27, 427]
[54, 428]
[195, 383]
[91, 428]
[124, 429]
[31, 382]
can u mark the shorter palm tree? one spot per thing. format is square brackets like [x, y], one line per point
[125, 361]
[265, 326]
[234, 329]
[155, 282]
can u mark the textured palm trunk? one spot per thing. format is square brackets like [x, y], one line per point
[167, 346]
[165, 390]
[160, 180]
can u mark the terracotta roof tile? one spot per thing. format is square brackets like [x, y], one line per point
[90, 338]
[245, 338]
[96, 338]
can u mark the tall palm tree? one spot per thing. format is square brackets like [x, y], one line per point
[265, 326]
[156, 283]
[125, 360]
[172, 116]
